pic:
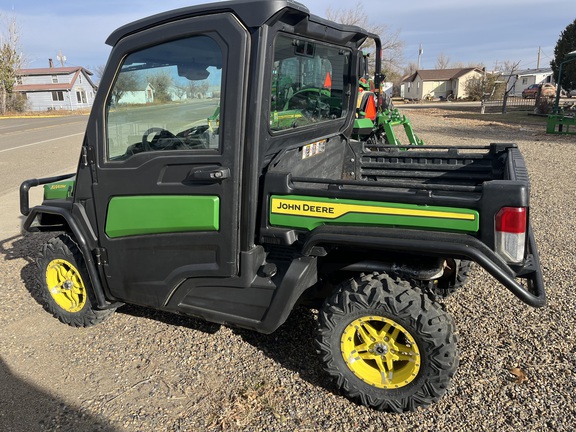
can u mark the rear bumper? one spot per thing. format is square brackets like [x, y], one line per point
[443, 245]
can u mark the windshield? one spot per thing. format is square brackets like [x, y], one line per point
[310, 81]
[166, 97]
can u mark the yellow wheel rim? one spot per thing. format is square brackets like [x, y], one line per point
[66, 285]
[380, 352]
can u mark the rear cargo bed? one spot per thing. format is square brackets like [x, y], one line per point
[440, 167]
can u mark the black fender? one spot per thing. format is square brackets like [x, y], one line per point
[81, 239]
[84, 239]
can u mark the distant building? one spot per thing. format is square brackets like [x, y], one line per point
[56, 88]
[138, 96]
[438, 83]
[522, 79]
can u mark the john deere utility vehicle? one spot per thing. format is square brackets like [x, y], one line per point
[249, 184]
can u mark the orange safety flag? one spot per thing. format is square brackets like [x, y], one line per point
[328, 81]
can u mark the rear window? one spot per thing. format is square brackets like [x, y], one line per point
[310, 80]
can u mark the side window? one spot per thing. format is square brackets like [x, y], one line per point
[309, 82]
[166, 97]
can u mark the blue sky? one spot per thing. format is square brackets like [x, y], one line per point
[466, 31]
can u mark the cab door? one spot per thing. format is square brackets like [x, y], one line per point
[169, 144]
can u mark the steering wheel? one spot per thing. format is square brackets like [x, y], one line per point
[160, 134]
[309, 102]
[299, 100]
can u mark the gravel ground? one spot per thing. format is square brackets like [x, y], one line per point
[143, 370]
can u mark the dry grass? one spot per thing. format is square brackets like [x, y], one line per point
[53, 113]
[259, 399]
[511, 118]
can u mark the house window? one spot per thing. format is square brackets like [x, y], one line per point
[57, 96]
[54, 79]
[524, 81]
[19, 80]
[80, 78]
[81, 96]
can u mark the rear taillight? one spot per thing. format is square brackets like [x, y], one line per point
[511, 233]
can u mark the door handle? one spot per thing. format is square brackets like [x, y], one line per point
[209, 174]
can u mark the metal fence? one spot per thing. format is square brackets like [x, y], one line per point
[513, 103]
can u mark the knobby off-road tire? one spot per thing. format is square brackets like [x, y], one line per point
[445, 289]
[63, 285]
[387, 344]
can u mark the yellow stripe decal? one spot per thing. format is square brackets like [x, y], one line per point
[335, 210]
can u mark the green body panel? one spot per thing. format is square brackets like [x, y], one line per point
[59, 190]
[137, 215]
[310, 212]
[561, 124]
[283, 119]
[363, 124]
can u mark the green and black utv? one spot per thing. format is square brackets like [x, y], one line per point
[250, 183]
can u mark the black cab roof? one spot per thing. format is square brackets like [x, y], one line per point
[252, 13]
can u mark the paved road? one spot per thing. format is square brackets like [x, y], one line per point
[34, 148]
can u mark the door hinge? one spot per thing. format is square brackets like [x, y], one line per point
[101, 256]
[87, 155]
[84, 156]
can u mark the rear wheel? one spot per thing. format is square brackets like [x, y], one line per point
[387, 344]
[64, 287]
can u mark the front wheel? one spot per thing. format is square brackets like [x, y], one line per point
[64, 287]
[387, 344]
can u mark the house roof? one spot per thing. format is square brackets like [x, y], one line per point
[49, 72]
[440, 74]
[530, 72]
[52, 71]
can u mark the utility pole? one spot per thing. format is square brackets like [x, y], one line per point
[420, 51]
[482, 100]
[538, 62]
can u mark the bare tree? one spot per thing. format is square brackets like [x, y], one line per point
[461, 65]
[126, 82]
[163, 84]
[98, 72]
[11, 59]
[392, 46]
[442, 61]
[409, 69]
[510, 68]
[180, 90]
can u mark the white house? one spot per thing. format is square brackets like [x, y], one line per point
[438, 83]
[145, 95]
[141, 96]
[56, 88]
[522, 79]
